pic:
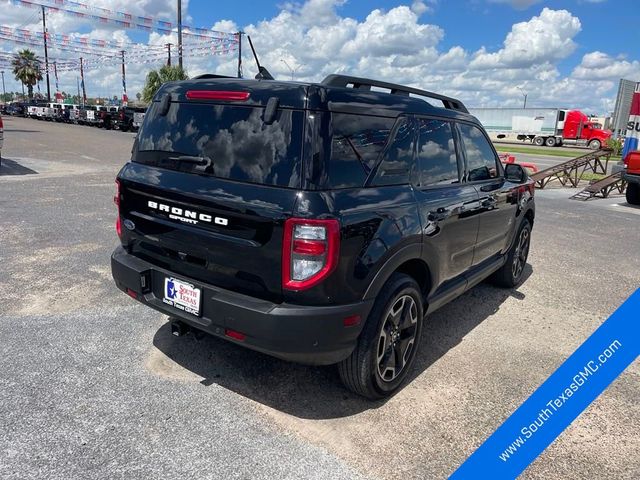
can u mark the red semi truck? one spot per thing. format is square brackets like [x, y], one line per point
[542, 126]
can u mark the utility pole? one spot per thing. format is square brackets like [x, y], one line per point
[55, 73]
[125, 99]
[46, 54]
[525, 96]
[180, 33]
[84, 90]
[239, 34]
[168, 54]
[4, 92]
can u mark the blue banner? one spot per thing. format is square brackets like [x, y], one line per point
[560, 399]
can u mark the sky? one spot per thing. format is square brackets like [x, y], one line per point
[486, 52]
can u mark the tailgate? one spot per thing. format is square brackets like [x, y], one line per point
[216, 231]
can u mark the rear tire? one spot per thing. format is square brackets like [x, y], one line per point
[539, 141]
[389, 341]
[550, 142]
[510, 274]
[633, 194]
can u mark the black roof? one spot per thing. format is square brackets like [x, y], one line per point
[336, 93]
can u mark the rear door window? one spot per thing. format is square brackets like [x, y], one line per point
[357, 142]
[224, 141]
[398, 158]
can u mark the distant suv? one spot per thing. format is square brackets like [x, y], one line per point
[127, 118]
[317, 223]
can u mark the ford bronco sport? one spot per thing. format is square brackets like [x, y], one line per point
[316, 222]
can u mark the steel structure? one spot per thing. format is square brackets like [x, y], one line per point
[571, 171]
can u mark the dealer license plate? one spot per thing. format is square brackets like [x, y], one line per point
[182, 296]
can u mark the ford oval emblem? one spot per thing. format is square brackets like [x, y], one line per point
[129, 225]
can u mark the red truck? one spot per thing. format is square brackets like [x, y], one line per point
[542, 126]
[632, 176]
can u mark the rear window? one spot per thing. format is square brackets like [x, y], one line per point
[224, 141]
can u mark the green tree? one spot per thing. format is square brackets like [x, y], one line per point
[26, 68]
[156, 78]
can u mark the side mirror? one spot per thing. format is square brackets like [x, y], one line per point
[515, 173]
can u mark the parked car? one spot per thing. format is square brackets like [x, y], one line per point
[87, 115]
[16, 109]
[105, 116]
[317, 223]
[128, 118]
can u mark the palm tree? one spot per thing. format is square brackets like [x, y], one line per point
[26, 68]
[156, 78]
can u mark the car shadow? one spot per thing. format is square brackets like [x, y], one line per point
[316, 392]
[11, 167]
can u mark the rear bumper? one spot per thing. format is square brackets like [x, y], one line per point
[304, 334]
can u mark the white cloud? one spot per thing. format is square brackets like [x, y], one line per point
[600, 66]
[544, 38]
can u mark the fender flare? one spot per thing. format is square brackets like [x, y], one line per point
[412, 251]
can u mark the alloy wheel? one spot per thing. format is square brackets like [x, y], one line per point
[397, 338]
[521, 253]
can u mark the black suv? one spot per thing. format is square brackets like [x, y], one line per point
[317, 223]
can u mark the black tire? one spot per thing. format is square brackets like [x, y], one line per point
[633, 194]
[510, 274]
[595, 144]
[539, 141]
[361, 372]
[550, 142]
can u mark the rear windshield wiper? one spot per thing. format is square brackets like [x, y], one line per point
[363, 164]
[192, 159]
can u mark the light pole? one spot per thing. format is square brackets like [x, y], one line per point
[293, 70]
[180, 33]
[4, 92]
[525, 96]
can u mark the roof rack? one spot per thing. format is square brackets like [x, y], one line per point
[395, 89]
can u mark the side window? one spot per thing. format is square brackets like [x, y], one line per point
[437, 153]
[357, 141]
[481, 159]
[395, 166]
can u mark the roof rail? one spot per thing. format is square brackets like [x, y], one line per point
[395, 89]
[210, 75]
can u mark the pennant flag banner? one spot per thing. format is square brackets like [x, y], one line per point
[122, 19]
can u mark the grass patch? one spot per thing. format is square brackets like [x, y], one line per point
[554, 152]
[590, 176]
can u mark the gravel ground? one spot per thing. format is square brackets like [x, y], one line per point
[92, 384]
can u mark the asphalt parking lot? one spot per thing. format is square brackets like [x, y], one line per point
[93, 385]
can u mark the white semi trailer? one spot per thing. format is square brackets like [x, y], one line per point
[542, 126]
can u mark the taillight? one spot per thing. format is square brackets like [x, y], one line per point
[217, 95]
[310, 251]
[116, 200]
